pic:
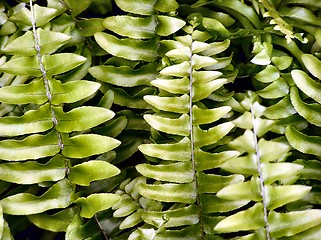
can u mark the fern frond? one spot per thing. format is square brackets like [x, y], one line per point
[45, 134]
[265, 169]
[194, 73]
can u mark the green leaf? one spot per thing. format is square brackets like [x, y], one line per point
[202, 61]
[135, 100]
[166, 5]
[177, 70]
[307, 84]
[57, 222]
[213, 204]
[278, 171]
[242, 9]
[42, 15]
[244, 143]
[179, 126]
[132, 49]
[61, 62]
[51, 41]
[142, 7]
[278, 196]
[278, 88]
[179, 151]
[85, 145]
[250, 219]
[311, 233]
[273, 150]
[72, 91]
[184, 193]
[77, 7]
[183, 53]
[291, 223]
[33, 121]
[282, 62]
[84, 173]
[192, 232]
[170, 104]
[302, 142]
[33, 92]
[202, 77]
[125, 76]
[168, 25]
[32, 172]
[204, 90]
[205, 160]
[311, 112]
[212, 135]
[211, 183]
[213, 48]
[184, 216]
[6, 234]
[90, 26]
[262, 57]
[58, 196]
[132, 220]
[81, 118]
[205, 116]
[300, 14]
[95, 203]
[311, 169]
[133, 27]
[269, 74]
[125, 207]
[243, 165]
[249, 190]
[23, 45]
[212, 24]
[179, 172]
[32, 147]
[178, 86]
[22, 66]
[281, 109]
[79, 72]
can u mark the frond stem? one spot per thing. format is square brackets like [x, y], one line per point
[191, 131]
[44, 73]
[262, 185]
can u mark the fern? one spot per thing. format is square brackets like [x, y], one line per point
[193, 75]
[160, 119]
[41, 146]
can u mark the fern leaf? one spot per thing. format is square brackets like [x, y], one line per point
[58, 196]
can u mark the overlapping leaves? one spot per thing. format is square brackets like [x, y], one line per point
[44, 135]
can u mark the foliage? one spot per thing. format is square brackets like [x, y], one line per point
[160, 119]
